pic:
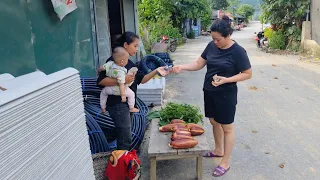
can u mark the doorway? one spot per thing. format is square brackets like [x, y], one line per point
[116, 22]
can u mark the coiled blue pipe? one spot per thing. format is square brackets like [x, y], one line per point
[91, 94]
[150, 63]
[98, 142]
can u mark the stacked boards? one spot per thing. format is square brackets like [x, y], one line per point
[43, 132]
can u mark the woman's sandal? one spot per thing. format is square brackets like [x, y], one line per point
[210, 154]
[220, 171]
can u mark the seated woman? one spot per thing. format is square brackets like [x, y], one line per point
[118, 110]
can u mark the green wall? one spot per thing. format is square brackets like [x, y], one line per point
[32, 37]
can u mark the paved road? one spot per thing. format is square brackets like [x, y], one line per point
[277, 120]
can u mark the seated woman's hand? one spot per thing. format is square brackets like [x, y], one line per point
[129, 78]
[163, 70]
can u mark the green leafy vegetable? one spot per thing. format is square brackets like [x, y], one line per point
[153, 115]
[187, 112]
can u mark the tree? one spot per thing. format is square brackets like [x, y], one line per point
[287, 17]
[167, 17]
[233, 6]
[206, 19]
[246, 11]
[177, 10]
[285, 12]
[183, 9]
[151, 11]
[220, 4]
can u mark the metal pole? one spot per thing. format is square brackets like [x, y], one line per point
[308, 14]
[234, 16]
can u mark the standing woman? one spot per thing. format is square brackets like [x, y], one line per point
[118, 110]
[227, 63]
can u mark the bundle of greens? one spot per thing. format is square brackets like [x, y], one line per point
[187, 112]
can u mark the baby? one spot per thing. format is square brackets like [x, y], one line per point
[116, 69]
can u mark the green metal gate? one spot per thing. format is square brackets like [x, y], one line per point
[32, 37]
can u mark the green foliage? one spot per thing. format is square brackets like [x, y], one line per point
[220, 4]
[268, 32]
[285, 12]
[286, 15]
[153, 115]
[246, 11]
[206, 16]
[294, 35]
[233, 6]
[183, 9]
[277, 40]
[163, 27]
[263, 19]
[206, 21]
[167, 17]
[187, 112]
[156, 30]
[151, 11]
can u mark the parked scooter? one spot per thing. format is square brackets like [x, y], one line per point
[172, 44]
[262, 41]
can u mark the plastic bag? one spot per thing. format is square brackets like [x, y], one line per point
[64, 7]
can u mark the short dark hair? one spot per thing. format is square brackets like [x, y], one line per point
[127, 37]
[222, 26]
[118, 53]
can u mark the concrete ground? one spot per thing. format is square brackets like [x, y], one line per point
[277, 121]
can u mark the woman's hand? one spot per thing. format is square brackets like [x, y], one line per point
[163, 70]
[129, 78]
[219, 80]
[123, 98]
[176, 69]
[100, 69]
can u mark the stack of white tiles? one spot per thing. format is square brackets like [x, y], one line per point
[152, 92]
[43, 134]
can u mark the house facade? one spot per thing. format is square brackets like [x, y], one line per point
[310, 37]
[33, 38]
[315, 20]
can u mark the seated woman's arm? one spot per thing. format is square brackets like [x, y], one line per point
[149, 76]
[103, 80]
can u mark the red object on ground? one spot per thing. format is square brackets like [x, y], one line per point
[123, 165]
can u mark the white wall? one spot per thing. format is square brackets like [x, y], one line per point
[130, 16]
[102, 30]
[315, 18]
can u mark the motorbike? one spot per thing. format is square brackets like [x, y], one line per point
[172, 44]
[262, 42]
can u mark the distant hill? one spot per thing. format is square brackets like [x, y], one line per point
[254, 3]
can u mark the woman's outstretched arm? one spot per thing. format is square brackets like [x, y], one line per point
[194, 66]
